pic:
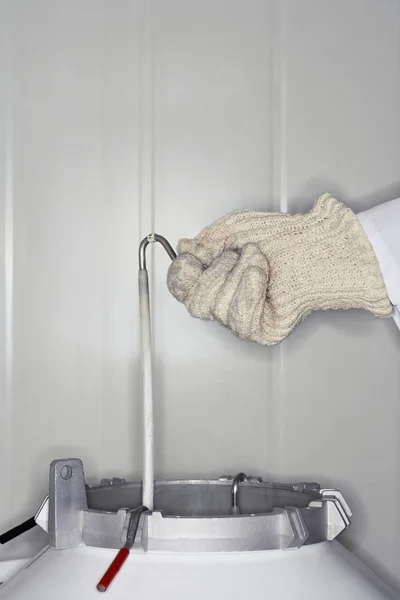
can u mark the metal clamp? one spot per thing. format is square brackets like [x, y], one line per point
[69, 521]
[337, 512]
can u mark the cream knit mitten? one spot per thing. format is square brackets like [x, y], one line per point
[261, 274]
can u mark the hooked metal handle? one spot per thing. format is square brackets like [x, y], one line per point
[235, 510]
[150, 239]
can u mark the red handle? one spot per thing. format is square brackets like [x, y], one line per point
[113, 569]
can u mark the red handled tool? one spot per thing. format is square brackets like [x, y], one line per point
[123, 554]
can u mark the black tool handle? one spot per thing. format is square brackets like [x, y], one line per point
[18, 530]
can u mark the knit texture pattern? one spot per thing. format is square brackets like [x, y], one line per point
[260, 274]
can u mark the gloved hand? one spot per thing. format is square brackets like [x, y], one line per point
[260, 274]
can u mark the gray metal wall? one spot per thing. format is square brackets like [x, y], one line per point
[120, 117]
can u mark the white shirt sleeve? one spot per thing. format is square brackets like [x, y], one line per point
[382, 226]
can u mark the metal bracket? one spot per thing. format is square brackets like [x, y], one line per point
[104, 529]
[67, 497]
[299, 527]
[335, 494]
[336, 514]
[42, 515]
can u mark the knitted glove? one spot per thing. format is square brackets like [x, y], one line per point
[261, 274]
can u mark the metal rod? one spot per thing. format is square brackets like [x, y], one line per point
[147, 366]
[147, 390]
[154, 237]
[235, 509]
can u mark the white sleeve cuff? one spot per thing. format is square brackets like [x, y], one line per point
[382, 227]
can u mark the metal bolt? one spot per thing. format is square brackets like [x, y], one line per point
[66, 472]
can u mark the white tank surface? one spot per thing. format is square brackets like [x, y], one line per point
[324, 570]
[236, 537]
